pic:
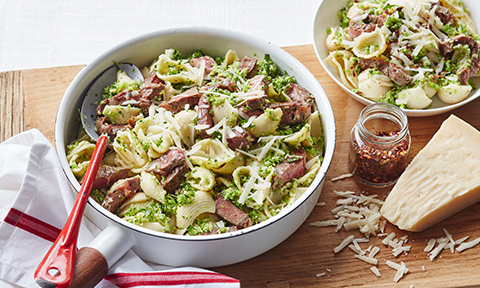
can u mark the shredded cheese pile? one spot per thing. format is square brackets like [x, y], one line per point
[360, 212]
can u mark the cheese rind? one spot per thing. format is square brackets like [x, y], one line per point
[442, 179]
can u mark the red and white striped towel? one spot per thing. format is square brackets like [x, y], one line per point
[35, 200]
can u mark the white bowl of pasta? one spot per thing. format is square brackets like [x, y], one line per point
[183, 165]
[419, 55]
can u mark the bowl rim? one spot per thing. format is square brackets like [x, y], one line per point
[475, 93]
[217, 32]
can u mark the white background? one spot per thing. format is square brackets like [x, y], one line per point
[50, 33]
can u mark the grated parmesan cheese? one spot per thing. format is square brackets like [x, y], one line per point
[452, 242]
[324, 223]
[401, 269]
[468, 245]
[344, 244]
[389, 238]
[369, 260]
[373, 252]
[375, 271]
[341, 177]
[430, 245]
[437, 250]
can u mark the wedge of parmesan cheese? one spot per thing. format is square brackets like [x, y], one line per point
[442, 179]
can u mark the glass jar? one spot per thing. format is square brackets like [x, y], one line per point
[379, 145]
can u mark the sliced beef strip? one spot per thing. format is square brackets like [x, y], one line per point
[153, 82]
[107, 175]
[249, 112]
[369, 24]
[224, 83]
[291, 168]
[119, 99]
[255, 103]
[209, 62]
[149, 89]
[248, 63]
[355, 29]
[300, 94]
[147, 96]
[119, 192]
[231, 213]
[102, 126]
[445, 15]
[447, 46]
[239, 139]
[171, 167]
[389, 69]
[177, 103]
[174, 178]
[258, 92]
[293, 112]
[165, 164]
[447, 49]
[469, 72]
[203, 116]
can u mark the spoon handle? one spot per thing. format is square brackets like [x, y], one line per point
[56, 269]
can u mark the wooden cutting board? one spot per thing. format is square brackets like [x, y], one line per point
[29, 99]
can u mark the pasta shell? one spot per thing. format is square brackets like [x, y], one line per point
[231, 165]
[129, 149]
[137, 198]
[373, 86]
[369, 45]
[239, 174]
[341, 61]
[225, 111]
[203, 203]
[356, 10]
[333, 42]
[187, 74]
[429, 91]
[454, 93]
[109, 158]
[117, 114]
[266, 123]
[186, 121]
[297, 137]
[211, 154]
[125, 209]
[79, 157]
[316, 125]
[162, 64]
[414, 98]
[155, 226]
[201, 179]
[307, 179]
[152, 187]
[230, 57]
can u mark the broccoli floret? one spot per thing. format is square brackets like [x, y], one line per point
[344, 20]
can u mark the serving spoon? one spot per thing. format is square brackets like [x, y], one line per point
[93, 97]
[57, 267]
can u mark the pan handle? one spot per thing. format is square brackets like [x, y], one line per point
[94, 260]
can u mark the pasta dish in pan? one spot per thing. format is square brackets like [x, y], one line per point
[203, 145]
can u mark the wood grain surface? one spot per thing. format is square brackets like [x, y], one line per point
[29, 99]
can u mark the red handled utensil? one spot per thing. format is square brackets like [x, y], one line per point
[56, 269]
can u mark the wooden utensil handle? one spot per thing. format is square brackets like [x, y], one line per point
[90, 268]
